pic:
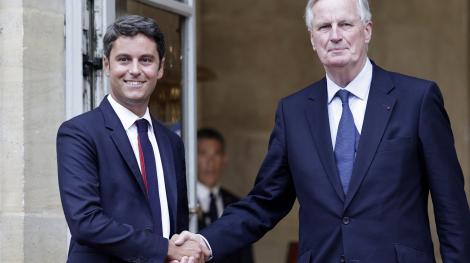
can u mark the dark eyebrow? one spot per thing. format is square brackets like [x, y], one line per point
[123, 55]
[147, 56]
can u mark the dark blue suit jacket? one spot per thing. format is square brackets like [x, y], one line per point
[103, 194]
[406, 150]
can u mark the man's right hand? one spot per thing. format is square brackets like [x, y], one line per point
[187, 248]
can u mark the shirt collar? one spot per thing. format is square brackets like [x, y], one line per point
[203, 191]
[359, 86]
[126, 116]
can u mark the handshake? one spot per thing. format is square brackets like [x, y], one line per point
[187, 247]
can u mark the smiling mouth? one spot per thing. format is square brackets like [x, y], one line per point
[134, 83]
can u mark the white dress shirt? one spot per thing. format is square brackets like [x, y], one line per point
[359, 88]
[203, 196]
[128, 119]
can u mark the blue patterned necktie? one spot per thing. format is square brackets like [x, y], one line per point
[346, 141]
[149, 174]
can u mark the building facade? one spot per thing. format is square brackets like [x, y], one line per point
[250, 54]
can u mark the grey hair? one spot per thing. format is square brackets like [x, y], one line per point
[362, 6]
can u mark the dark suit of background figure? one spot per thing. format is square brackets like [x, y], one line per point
[103, 194]
[244, 255]
[406, 150]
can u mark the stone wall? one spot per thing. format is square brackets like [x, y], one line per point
[11, 133]
[259, 52]
[32, 227]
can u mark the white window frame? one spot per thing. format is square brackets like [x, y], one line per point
[73, 59]
[74, 74]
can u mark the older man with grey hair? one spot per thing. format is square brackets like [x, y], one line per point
[361, 150]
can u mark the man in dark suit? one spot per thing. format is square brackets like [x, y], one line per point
[361, 150]
[211, 196]
[121, 172]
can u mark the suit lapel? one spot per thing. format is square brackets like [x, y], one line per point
[317, 116]
[166, 155]
[120, 139]
[378, 111]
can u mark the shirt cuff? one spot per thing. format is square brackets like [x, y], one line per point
[207, 245]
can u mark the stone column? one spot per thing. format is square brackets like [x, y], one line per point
[11, 133]
[32, 226]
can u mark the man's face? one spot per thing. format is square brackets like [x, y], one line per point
[338, 35]
[133, 70]
[210, 161]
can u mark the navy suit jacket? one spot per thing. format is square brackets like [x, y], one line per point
[406, 150]
[102, 191]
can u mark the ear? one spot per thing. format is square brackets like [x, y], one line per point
[312, 41]
[161, 69]
[368, 31]
[106, 65]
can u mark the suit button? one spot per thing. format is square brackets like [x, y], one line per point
[342, 259]
[346, 220]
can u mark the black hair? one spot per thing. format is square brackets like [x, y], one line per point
[210, 133]
[130, 26]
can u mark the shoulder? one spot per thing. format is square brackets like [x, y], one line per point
[80, 134]
[83, 122]
[299, 100]
[411, 91]
[404, 83]
[311, 90]
[161, 128]
[174, 139]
